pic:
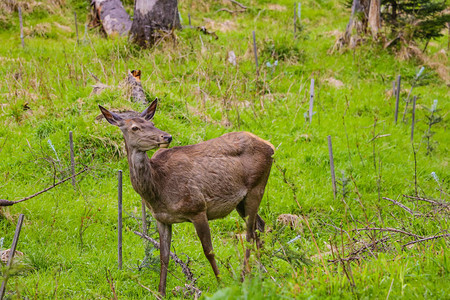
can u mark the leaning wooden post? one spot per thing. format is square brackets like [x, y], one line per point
[11, 255]
[295, 20]
[76, 27]
[413, 118]
[397, 94]
[21, 27]
[311, 100]
[333, 178]
[119, 222]
[144, 217]
[394, 92]
[256, 53]
[72, 159]
[189, 17]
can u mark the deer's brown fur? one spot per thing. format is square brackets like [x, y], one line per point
[195, 183]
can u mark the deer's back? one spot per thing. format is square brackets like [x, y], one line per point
[214, 175]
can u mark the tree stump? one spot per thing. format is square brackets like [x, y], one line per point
[151, 18]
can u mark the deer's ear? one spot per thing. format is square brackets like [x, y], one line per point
[111, 117]
[149, 112]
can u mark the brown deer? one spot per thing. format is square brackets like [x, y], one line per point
[195, 183]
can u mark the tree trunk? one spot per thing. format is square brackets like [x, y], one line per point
[356, 7]
[151, 17]
[113, 17]
[374, 17]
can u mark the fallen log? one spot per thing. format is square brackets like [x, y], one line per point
[112, 16]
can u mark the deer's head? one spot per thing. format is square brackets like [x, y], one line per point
[139, 132]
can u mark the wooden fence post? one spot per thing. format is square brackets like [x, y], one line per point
[76, 27]
[21, 27]
[11, 255]
[119, 221]
[295, 20]
[333, 178]
[413, 121]
[397, 94]
[72, 159]
[256, 53]
[311, 100]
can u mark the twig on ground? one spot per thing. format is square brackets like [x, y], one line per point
[3, 145]
[4, 202]
[110, 280]
[155, 294]
[338, 229]
[426, 239]
[185, 269]
[378, 136]
[238, 4]
[367, 246]
[427, 200]
[403, 206]
[388, 230]
[341, 260]
[230, 11]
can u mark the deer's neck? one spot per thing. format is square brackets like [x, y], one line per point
[141, 174]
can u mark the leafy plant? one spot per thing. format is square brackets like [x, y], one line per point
[433, 118]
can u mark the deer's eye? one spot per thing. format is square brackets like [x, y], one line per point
[135, 128]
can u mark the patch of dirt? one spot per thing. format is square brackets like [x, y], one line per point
[336, 33]
[62, 27]
[220, 26]
[334, 82]
[276, 7]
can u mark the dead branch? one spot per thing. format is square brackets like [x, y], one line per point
[205, 31]
[378, 136]
[4, 202]
[388, 230]
[238, 4]
[426, 239]
[4, 142]
[368, 246]
[175, 258]
[155, 294]
[427, 200]
[110, 280]
[289, 183]
[402, 206]
[341, 260]
[230, 11]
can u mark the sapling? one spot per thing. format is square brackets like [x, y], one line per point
[433, 118]
[416, 80]
[272, 66]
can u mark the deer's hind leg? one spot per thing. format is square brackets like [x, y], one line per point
[248, 209]
[201, 225]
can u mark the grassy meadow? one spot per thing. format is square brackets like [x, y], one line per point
[332, 249]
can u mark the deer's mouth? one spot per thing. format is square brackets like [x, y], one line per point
[164, 145]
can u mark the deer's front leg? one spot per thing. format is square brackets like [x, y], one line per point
[202, 227]
[165, 238]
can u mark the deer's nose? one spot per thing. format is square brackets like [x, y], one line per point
[167, 138]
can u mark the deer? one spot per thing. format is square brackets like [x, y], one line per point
[195, 183]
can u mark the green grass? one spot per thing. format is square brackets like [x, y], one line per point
[203, 96]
